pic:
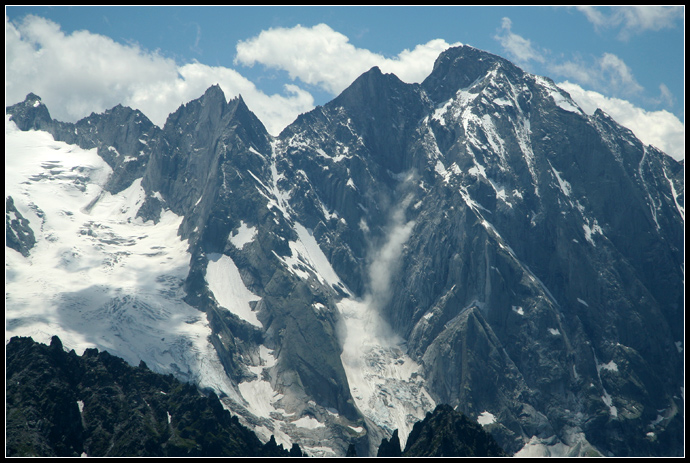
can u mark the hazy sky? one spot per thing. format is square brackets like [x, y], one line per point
[286, 60]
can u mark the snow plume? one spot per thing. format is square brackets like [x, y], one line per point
[386, 259]
[384, 263]
[383, 380]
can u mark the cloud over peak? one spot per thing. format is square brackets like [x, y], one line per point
[79, 73]
[517, 47]
[325, 58]
[82, 72]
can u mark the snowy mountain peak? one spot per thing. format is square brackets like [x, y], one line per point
[33, 100]
[30, 114]
[457, 68]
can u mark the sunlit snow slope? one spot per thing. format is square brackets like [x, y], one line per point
[98, 276]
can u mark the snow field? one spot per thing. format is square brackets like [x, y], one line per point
[225, 282]
[98, 276]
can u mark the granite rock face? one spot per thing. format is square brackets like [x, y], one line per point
[18, 233]
[545, 242]
[528, 256]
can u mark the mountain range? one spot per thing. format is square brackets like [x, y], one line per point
[476, 240]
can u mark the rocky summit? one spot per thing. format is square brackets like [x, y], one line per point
[476, 240]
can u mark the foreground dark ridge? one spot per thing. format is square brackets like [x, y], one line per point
[64, 405]
[444, 433]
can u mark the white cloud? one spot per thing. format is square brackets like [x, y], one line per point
[659, 128]
[666, 97]
[576, 70]
[518, 48]
[79, 73]
[635, 19]
[593, 15]
[649, 17]
[608, 73]
[323, 57]
[618, 73]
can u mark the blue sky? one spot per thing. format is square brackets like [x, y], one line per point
[286, 60]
